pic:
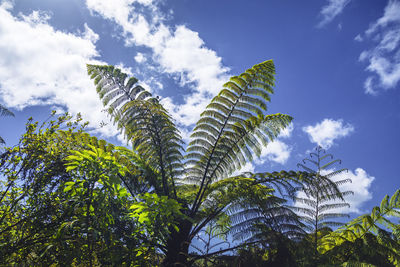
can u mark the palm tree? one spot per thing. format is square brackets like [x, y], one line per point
[230, 132]
[4, 112]
[320, 198]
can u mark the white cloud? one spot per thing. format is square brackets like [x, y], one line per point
[327, 131]
[358, 38]
[287, 132]
[42, 66]
[360, 186]
[124, 69]
[248, 167]
[332, 10]
[384, 58]
[388, 72]
[391, 14]
[368, 85]
[140, 58]
[178, 51]
[90, 35]
[276, 151]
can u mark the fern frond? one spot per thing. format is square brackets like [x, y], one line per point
[325, 216]
[367, 224]
[325, 207]
[334, 173]
[144, 122]
[329, 224]
[304, 167]
[256, 213]
[5, 111]
[236, 122]
[324, 167]
[307, 201]
[322, 195]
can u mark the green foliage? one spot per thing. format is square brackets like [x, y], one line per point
[51, 215]
[362, 251]
[379, 223]
[258, 214]
[97, 164]
[231, 130]
[156, 214]
[32, 172]
[252, 256]
[70, 199]
[321, 197]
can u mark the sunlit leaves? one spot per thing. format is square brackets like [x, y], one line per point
[156, 213]
[381, 219]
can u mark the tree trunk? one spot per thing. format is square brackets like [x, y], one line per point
[178, 246]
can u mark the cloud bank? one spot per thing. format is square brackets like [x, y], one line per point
[42, 66]
[177, 50]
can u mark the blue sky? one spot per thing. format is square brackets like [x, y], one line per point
[337, 62]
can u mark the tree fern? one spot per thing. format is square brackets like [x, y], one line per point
[230, 132]
[321, 195]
